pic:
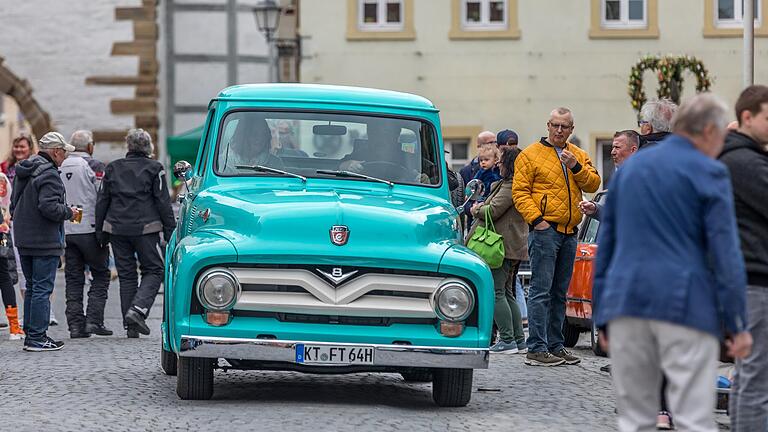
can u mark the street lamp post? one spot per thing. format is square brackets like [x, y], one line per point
[267, 14]
[749, 44]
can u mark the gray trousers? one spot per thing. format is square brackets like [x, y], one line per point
[643, 350]
[749, 394]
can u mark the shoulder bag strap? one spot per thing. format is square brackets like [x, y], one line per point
[488, 220]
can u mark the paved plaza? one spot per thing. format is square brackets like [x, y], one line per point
[115, 384]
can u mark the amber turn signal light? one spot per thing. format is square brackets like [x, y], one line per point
[451, 329]
[217, 318]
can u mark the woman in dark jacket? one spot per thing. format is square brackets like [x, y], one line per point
[511, 226]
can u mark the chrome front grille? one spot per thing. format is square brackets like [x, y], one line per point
[300, 291]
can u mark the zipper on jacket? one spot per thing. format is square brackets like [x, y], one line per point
[567, 186]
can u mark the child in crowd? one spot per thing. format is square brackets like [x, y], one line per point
[488, 156]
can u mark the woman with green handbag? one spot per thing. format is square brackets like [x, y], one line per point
[498, 213]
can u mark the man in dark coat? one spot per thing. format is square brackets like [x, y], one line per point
[39, 209]
[746, 156]
[132, 212]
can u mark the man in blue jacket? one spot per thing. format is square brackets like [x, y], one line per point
[670, 275]
[39, 209]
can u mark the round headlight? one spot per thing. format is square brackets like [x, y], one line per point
[218, 290]
[454, 301]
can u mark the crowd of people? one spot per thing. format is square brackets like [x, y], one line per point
[532, 198]
[61, 206]
[682, 261]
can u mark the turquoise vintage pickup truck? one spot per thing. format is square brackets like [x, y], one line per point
[316, 234]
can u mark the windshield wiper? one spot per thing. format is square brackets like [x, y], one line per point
[262, 168]
[354, 174]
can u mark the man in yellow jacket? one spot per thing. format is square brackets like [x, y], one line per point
[550, 176]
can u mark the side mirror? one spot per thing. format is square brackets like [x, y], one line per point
[473, 189]
[182, 170]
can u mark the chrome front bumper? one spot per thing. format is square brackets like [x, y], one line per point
[285, 351]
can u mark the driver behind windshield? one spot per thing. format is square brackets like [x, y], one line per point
[250, 144]
[382, 145]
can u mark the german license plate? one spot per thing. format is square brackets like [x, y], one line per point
[334, 354]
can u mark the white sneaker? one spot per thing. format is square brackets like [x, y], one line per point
[52, 320]
[14, 336]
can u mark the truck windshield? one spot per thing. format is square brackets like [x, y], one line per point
[317, 144]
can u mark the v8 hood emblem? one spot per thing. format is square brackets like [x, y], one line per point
[337, 275]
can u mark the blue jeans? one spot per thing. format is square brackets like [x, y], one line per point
[40, 273]
[552, 255]
[520, 297]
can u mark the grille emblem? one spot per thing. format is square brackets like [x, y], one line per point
[337, 275]
[339, 235]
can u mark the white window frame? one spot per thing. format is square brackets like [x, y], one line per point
[485, 16]
[381, 23]
[738, 15]
[623, 22]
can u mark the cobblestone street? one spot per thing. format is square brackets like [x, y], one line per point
[116, 384]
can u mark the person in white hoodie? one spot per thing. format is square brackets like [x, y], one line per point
[81, 184]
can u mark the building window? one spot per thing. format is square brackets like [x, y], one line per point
[457, 153]
[484, 19]
[624, 19]
[381, 15]
[624, 14]
[725, 18]
[483, 14]
[380, 20]
[606, 168]
[730, 13]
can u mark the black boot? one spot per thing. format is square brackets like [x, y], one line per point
[131, 332]
[98, 329]
[78, 333]
[137, 319]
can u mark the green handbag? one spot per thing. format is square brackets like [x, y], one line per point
[487, 243]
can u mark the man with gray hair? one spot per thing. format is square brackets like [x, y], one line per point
[133, 210]
[670, 276]
[655, 121]
[83, 142]
[81, 184]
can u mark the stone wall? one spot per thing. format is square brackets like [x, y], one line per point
[55, 45]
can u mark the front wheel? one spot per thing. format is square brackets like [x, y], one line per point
[195, 378]
[570, 334]
[452, 387]
[594, 340]
[168, 361]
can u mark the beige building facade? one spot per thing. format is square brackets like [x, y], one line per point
[507, 63]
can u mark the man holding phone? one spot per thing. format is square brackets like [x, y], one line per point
[550, 176]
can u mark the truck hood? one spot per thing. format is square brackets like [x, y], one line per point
[294, 225]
